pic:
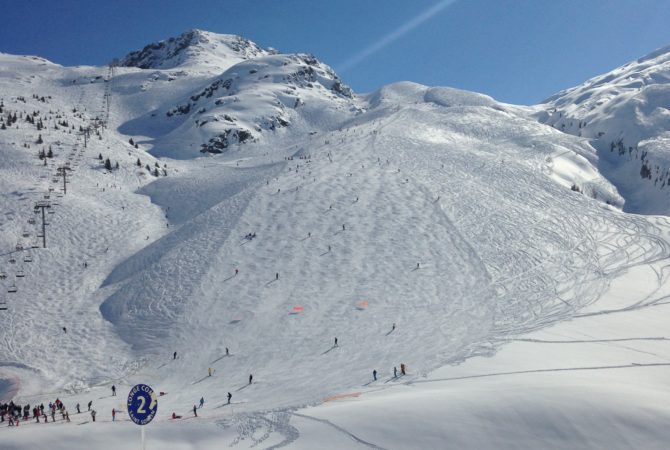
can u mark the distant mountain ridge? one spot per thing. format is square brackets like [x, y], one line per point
[626, 115]
[194, 47]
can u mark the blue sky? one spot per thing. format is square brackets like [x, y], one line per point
[518, 51]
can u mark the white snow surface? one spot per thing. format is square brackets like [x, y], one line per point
[528, 315]
[626, 115]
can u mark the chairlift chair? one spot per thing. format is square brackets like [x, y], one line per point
[12, 260]
[27, 258]
[3, 275]
[12, 289]
[31, 221]
[20, 274]
[25, 234]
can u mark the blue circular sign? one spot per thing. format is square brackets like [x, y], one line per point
[142, 404]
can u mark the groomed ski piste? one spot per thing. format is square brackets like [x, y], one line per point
[429, 227]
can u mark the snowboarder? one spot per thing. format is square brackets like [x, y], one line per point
[229, 397]
[374, 374]
[113, 391]
[195, 411]
[202, 402]
[113, 414]
[251, 378]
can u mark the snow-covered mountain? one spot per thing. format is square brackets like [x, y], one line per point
[254, 209]
[195, 49]
[626, 114]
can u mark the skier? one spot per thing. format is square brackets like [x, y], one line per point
[65, 330]
[78, 410]
[202, 402]
[343, 227]
[277, 276]
[374, 374]
[251, 378]
[402, 369]
[174, 355]
[113, 414]
[393, 327]
[89, 405]
[229, 397]
[335, 343]
[113, 391]
[417, 265]
[93, 414]
[329, 248]
[236, 271]
[395, 372]
[209, 371]
[227, 353]
[195, 411]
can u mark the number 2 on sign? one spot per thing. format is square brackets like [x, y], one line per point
[143, 401]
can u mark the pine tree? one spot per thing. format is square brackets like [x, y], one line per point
[39, 139]
[131, 142]
[100, 156]
[139, 163]
[108, 164]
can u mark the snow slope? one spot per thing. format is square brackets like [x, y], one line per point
[626, 113]
[441, 211]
